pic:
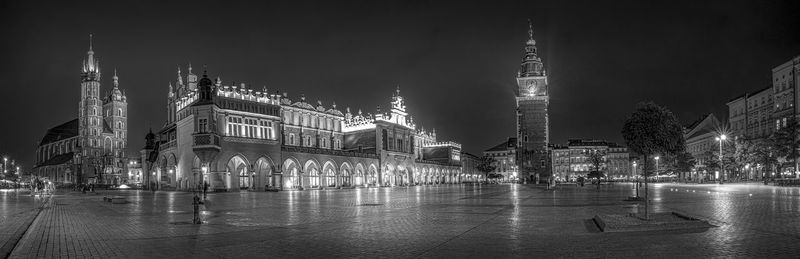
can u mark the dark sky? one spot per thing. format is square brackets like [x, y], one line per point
[455, 61]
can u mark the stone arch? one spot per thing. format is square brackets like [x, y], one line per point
[311, 173]
[291, 169]
[108, 145]
[387, 175]
[372, 174]
[262, 169]
[238, 175]
[329, 171]
[359, 175]
[346, 174]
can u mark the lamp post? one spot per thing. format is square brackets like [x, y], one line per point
[720, 139]
[657, 158]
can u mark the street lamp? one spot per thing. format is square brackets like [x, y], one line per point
[657, 158]
[720, 139]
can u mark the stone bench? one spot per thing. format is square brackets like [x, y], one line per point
[116, 199]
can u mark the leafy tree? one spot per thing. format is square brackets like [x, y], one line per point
[596, 158]
[682, 162]
[784, 143]
[486, 165]
[651, 130]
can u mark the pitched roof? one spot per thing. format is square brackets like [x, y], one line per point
[511, 143]
[64, 131]
[57, 160]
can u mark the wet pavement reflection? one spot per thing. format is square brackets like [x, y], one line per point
[508, 220]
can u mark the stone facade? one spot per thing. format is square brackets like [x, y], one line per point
[91, 148]
[533, 125]
[235, 138]
[571, 161]
[505, 155]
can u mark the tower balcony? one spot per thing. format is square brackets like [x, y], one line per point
[205, 141]
[206, 145]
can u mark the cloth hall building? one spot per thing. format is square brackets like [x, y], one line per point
[232, 137]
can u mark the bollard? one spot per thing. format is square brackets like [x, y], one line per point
[196, 205]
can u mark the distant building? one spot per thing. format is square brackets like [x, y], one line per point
[750, 115]
[135, 174]
[701, 143]
[90, 148]
[505, 155]
[786, 88]
[469, 167]
[571, 161]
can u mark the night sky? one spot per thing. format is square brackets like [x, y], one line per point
[455, 61]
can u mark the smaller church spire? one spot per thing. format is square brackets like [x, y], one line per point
[115, 78]
[190, 68]
[180, 79]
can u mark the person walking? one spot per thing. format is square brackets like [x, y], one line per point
[205, 189]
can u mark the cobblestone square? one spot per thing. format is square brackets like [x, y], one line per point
[424, 221]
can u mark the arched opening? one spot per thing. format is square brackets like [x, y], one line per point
[359, 174]
[345, 175]
[263, 173]
[330, 174]
[312, 174]
[291, 173]
[238, 173]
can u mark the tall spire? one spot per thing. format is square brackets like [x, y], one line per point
[190, 68]
[90, 44]
[115, 78]
[531, 41]
[531, 63]
[91, 66]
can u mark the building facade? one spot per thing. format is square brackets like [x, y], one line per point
[90, 148]
[532, 105]
[785, 90]
[701, 142]
[505, 155]
[750, 115]
[236, 138]
[572, 161]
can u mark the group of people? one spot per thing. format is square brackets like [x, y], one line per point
[39, 185]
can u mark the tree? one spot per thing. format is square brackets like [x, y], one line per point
[682, 162]
[596, 158]
[743, 154]
[784, 143]
[486, 165]
[651, 130]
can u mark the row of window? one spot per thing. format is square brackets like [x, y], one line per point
[308, 141]
[246, 128]
[311, 121]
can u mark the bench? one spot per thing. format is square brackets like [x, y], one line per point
[116, 200]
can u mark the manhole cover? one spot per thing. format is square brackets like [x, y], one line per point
[371, 204]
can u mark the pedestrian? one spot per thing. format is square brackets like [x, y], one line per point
[205, 189]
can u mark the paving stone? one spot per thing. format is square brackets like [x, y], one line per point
[426, 221]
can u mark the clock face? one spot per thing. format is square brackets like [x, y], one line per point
[531, 88]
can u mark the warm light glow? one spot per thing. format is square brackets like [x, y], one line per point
[205, 169]
[657, 157]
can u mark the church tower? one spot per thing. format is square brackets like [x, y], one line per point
[116, 117]
[90, 117]
[533, 125]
